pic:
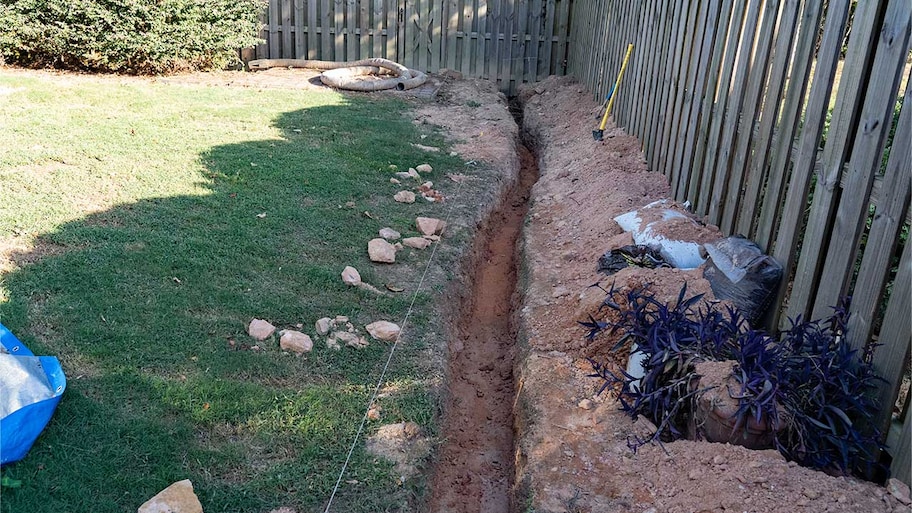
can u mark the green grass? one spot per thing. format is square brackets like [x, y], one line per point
[130, 208]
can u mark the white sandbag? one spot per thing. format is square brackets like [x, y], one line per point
[647, 225]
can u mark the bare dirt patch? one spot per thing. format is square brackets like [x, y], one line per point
[573, 453]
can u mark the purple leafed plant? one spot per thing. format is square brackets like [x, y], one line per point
[809, 385]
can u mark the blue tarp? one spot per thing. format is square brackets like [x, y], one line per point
[30, 389]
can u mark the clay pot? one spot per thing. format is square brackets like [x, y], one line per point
[714, 416]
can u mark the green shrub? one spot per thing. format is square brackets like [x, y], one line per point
[127, 36]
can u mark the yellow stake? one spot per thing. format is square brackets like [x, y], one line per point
[615, 91]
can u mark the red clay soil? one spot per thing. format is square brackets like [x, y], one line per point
[474, 471]
[572, 451]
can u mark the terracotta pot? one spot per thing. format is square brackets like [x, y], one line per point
[714, 415]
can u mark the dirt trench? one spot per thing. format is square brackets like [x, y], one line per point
[474, 472]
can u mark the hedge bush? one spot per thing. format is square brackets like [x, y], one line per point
[127, 36]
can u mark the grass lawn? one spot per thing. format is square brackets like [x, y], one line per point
[131, 219]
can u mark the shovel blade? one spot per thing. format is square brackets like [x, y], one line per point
[597, 134]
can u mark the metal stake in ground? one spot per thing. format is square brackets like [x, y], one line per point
[598, 134]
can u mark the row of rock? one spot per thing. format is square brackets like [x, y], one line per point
[382, 250]
[338, 331]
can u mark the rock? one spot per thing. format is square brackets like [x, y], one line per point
[395, 181]
[341, 319]
[383, 330]
[351, 276]
[432, 238]
[718, 459]
[416, 242]
[350, 339]
[398, 246]
[389, 233]
[332, 343]
[811, 494]
[454, 154]
[373, 413]
[585, 404]
[413, 173]
[405, 197]
[380, 250]
[560, 292]
[899, 490]
[427, 185]
[425, 148]
[177, 498]
[429, 225]
[295, 341]
[260, 329]
[424, 168]
[323, 326]
[405, 176]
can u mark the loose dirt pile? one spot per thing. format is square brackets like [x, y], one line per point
[572, 453]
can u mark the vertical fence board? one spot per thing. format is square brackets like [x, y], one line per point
[671, 84]
[867, 152]
[481, 68]
[896, 336]
[720, 108]
[733, 119]
[534, 29]
[696, 27]
[757, 79]
[799, 183]
[886, 224]
[311, 23]
[563, 34]
[838, 143]
[655, 112]
[465, 65]
[721, 23]
[788, 126]
[769, 114]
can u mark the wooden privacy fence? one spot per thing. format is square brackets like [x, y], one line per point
[508, 41]
[771, 128]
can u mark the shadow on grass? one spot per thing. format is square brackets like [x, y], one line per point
[146, 303]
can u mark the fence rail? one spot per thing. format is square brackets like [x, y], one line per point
[771, 126]
[507, 41]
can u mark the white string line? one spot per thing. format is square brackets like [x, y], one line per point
[389, 359]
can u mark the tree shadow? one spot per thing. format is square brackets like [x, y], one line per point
[146, 303]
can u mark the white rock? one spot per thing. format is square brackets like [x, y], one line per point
[341, 319]
[177, 498]
[416, 242]
[899, 490]
[383, 330]
[424, 168]
[332, 343]
[389, 234]
[295, 341]
[405, 197]
[429, 225]
[380, 250]
[395, 180]
[585, 404]
[323, 326]
[428, 184]
[350, 339]
[351, 276]
[413, 173]
[404, 175]
[260, 329]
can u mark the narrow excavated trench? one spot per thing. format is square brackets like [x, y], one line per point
[474, 471]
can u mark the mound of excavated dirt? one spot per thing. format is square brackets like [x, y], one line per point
[572, 454]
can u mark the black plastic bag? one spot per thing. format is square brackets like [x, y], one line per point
[640, 256]
[739, 271]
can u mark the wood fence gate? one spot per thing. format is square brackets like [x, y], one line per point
[507, 41]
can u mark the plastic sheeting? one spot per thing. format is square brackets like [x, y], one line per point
[30, 388]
